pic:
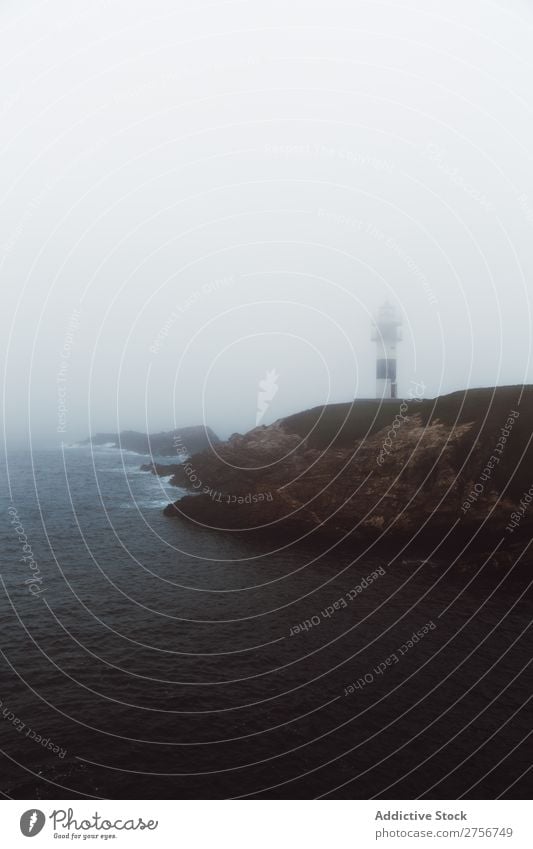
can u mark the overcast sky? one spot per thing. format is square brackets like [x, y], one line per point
[194, 194]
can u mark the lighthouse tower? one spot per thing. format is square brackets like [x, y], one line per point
[386, 333]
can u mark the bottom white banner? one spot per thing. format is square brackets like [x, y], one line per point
[265, 824]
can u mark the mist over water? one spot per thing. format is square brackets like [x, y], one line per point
[186, 208]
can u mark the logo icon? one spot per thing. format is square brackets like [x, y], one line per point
[268, 388]
[32, 822]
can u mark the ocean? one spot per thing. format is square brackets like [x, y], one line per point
[146, 657]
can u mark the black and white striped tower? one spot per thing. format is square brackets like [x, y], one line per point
[386, 333]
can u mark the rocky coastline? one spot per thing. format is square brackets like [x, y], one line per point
[458, 467]
[185, 440]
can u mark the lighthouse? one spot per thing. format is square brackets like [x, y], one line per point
[386, 333]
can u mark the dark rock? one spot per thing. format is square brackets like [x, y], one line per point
[327, 471]
[185, 440]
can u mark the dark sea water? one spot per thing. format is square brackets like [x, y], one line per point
[158, 659]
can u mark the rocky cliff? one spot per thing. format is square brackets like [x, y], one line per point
[459, 465]
[185, 440]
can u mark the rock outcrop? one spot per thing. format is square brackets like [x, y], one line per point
[185, 440]
[454, 466]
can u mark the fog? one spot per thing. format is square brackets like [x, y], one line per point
[196, 194]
